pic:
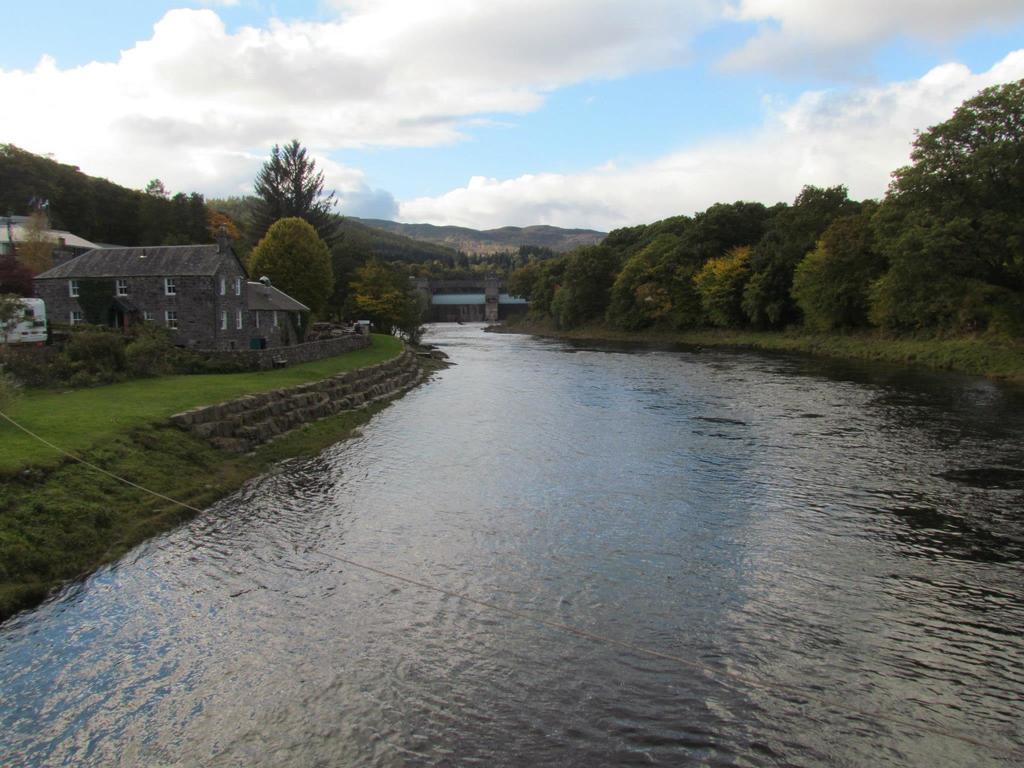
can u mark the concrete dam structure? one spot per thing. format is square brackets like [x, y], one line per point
[469, 301]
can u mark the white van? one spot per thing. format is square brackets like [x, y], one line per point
[30, 328]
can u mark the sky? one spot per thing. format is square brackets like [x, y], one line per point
[487, 113]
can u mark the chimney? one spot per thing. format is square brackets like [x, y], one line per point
[223, 240]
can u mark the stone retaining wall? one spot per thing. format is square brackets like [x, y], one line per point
[241, 425]
[262, 359]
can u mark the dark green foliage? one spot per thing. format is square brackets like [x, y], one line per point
[722, 227]
[152, 353]
[640, 294]
[952, 225]
[537, 282]
[289, 185]
[95, 208]
[96, 298]
[586, 285]
[97, 353]
[790, 234]
[297, 262]
[832, 283]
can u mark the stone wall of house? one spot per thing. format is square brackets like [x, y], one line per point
[205, 319]
[243, 424]
[272, 357]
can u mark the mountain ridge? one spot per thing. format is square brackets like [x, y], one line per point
[488, 241]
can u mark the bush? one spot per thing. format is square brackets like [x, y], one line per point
[32, 367]
[97, 352]
[151, 353]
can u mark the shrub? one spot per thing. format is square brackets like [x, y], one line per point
[97, 352]
[151, 353]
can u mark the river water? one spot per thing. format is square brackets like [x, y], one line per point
[825, 559]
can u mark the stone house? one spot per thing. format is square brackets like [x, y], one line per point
[201, 293]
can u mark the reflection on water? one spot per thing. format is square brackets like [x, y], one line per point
[839, 547]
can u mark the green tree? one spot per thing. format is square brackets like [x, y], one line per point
[655, 287]
[634, 302]
[790, 235]
[586, 284]
[720, 283]
[289, 185]
[833, 281]
[156, 188]
[952, 223]
[296, 260]
[722, 227]
[383, 294]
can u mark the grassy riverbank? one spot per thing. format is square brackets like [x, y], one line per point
[60, 519]
[978, 356]
[80, 419]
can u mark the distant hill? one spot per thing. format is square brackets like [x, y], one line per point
[358, 240]
[491, 240]
[360, 237]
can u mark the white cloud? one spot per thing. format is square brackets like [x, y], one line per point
[804, 35]
[195, 104]
[856, 137]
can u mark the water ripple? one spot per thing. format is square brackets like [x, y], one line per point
[835, 550]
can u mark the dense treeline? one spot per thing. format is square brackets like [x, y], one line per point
[95, 208]
[943, 252]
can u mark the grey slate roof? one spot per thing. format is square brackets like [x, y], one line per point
[267, 297]
[162, 260]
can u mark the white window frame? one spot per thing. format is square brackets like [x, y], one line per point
[171, 318]
[223, 285]
[73, 288]
[147, 316]
[170, 287]
[239, 320]
[275, 318]
[223, 319]
[238, 286]
[122, 287]
[76, 317]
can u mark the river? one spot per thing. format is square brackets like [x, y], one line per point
[774, 560]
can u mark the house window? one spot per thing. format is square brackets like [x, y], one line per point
[223, 286]
[275, 318]
[76, 317]
[147, 315]
[224, 320]
[122, 287]
[171, 316]
[73, 288]
[238, 320]
[256, 315]
[170, 286]
[238, 287]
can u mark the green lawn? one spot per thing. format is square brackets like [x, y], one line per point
[78, 420]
